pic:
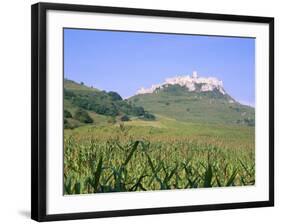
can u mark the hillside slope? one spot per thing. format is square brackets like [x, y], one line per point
[180, 103]
[83, 105]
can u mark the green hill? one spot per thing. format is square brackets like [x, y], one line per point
[83, 105]
[193, 106]
[171, 101]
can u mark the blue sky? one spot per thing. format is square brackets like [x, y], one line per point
[125, 61]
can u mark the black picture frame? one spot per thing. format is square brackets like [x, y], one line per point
[38, 108]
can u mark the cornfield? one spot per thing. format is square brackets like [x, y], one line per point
[94, 165]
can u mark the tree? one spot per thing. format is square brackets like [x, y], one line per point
[114, 96]
[65, 124]
[137, 111]
[66, 114]
[83, 116]
[69, 125]
[124, 118]
[68, 94]
[149, 117]
[249, 121]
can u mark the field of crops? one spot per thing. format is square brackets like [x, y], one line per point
[124, 158]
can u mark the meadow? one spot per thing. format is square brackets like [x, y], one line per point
[163, 154]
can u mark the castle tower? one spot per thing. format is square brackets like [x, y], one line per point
[194, 75]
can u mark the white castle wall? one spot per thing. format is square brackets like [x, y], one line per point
[208, 83]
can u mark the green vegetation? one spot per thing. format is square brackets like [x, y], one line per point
[83, 116]
[135, 158]
[78, 96]
[114, 96]
[67, 114]
[124, 118]
[207, 107]
[247, 121]
[171, 139]
[149, 117]
[74, 86]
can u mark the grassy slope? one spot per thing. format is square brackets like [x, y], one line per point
[71, 85]
[78, 88]
[193, 107]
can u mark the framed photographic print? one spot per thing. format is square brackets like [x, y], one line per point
[140, 111]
